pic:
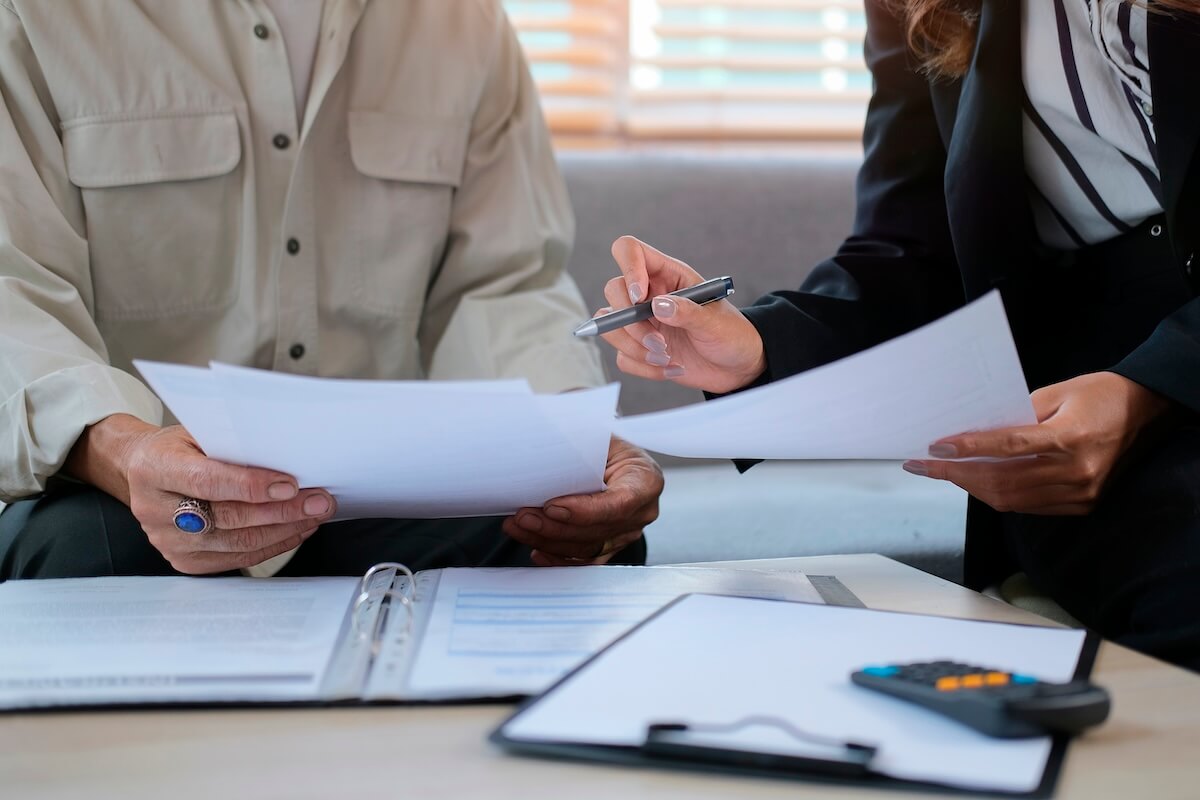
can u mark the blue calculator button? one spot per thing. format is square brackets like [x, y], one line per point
[1023, 679]
[882, 672]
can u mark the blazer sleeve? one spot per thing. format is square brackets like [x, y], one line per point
[897, 270]
[1169, 361]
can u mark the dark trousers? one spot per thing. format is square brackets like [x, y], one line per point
[1131, 569]
[77, 531]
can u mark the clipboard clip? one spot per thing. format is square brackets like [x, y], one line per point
[759, 743]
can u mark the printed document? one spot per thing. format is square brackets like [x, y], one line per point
[960, 373]
[407, 449]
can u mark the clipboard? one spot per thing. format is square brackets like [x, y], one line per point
[703, 737]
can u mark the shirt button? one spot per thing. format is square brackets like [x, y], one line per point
[1156, 231]
[296, 351]
[1148, 108]
[281, 141]
[261, 31]
[293, 246]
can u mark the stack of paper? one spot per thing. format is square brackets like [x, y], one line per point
[424, 449]
[415, 449]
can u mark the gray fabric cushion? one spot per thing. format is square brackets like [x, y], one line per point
[765, 220]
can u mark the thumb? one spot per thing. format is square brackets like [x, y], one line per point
[679, 312]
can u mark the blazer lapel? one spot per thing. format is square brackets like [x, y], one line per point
[1174, 43]
[986, 191]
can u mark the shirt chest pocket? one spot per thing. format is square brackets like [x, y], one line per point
[407, 170]
[163, 211]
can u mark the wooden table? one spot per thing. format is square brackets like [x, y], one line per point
[1149, 748]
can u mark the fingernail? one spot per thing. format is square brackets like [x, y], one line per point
[674, 371]
[664, 307]
[530, 522]
[916, 468]
[655, 342]
[658, 359]
[316, 505]
[635, 292]
[943, 450]
[281, 491]
[558, 512]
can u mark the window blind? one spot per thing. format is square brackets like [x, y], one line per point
[577, 51]
[722, 69]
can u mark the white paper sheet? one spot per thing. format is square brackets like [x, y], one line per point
[714, 660]
[151, 639]
[414, 449]
[958, 374]
[498, 632]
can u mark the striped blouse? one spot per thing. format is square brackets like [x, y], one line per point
[1089, 119]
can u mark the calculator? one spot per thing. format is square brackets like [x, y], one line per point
[1004, 704]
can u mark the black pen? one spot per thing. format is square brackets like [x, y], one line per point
[701, 293]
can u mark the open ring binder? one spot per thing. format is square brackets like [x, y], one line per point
[383, 593]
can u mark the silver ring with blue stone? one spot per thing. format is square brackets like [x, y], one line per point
[193, 516]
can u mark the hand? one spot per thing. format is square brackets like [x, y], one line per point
[590, 528]
[256, 513]
[711, 347]
[1061, 464]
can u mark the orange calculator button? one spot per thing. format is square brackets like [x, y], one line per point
[972, 681]
[996, 679]
[947, 683]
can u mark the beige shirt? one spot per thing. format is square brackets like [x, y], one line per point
[161, 198]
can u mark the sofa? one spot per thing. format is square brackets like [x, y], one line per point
[765, 219]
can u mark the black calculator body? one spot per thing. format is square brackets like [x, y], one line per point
[998, 703]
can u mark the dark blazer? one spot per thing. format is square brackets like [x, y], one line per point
[943, 216]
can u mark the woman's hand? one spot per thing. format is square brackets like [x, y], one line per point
[1060, 465]
[257, 514]
[711, 347]
[591, 528]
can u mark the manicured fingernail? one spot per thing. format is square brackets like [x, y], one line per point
[674, 371]
[602, 312]
[635, 292]
[530, 522]
[664, 307]
[658, 359]
[943, 450]
[655, 342]
[281, 491]
[916, 468]
[316, 505]
[558, 512]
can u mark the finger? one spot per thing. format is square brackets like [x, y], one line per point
[206, 479]
[315, 505]
[622, 342]
[617, 295]
[702, 322]
[210, 562]
[640, 264]
[1025, 440]
[641, 369]
[247, 540]
[994, 477]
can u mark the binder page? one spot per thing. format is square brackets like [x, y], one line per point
[498, 632]
[957, 374]
[167, 639]
[717, 660]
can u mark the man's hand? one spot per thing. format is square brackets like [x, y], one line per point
[256, 513]
[1060, 465]
[590, 528]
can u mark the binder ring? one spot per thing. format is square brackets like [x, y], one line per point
[404, 597]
